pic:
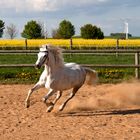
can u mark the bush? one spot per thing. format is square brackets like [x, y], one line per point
[89, 31]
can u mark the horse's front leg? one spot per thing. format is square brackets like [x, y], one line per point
[36, 87]
[51, 105]
[46, 97]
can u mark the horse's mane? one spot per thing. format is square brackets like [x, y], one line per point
[57, 53]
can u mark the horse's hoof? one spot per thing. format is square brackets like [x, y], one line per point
[61, 108]
[27, 105]
[50, 108]
[44, 100]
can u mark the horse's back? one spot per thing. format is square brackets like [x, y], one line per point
[73, 66]
[70, 64]
[75, 72]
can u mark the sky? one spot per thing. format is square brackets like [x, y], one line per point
[109, 15]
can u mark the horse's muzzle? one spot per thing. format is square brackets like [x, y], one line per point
[37, 66]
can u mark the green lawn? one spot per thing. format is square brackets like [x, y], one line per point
[77, 58]
[31, 75]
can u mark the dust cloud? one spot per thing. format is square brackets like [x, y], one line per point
[108, 96]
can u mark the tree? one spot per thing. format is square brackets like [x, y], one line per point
[32, 30]
[1, 28]
[11, 31]
[100, 34]
[66, 30]
[89, 31]
[120, 35]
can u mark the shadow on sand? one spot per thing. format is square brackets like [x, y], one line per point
[99, 112]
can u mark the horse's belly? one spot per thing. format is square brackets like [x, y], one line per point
[68, 83]
[59, 85]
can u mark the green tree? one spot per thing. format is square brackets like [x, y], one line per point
[120, 35]
[100, 34]
[32, 30]
[1, 28]
[89, 31]
[66, 30]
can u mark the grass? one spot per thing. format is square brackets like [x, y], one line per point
[17, 59]
[31, 75]
[100, 59]
[78, 58]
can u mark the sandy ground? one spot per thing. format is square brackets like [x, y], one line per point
[104, 112]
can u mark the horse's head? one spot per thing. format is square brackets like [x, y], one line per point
[42, 56]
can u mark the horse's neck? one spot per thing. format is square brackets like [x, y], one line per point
[51, 68]
[47, 69]
[54, 64]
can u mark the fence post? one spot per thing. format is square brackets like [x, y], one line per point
[137, 63]
[117, 46]
[71, 43]
[26, 45]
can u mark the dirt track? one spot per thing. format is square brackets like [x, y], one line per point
[104, 112]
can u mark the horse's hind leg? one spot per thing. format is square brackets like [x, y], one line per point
[36, 87]
[50, 108]
[72, 94]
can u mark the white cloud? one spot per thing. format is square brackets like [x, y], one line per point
[7, 4]
[56, 5]
[44, 5]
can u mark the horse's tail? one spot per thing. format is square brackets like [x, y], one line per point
[91, 76]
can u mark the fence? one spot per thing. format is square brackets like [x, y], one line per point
[116, 51]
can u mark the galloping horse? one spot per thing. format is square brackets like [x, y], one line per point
[59, 76]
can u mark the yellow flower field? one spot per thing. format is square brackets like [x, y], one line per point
[55, 42]
[66, 43]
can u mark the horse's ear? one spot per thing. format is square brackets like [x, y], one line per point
[44, 48]
[47, 46]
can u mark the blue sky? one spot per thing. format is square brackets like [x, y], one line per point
[109, 15]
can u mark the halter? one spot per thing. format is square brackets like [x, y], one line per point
[46, 55]
[44, 49]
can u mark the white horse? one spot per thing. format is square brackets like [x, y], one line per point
[58, 76]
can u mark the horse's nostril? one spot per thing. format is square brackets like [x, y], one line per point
[37, 66]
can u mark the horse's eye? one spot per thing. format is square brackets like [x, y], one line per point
[45, 55]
